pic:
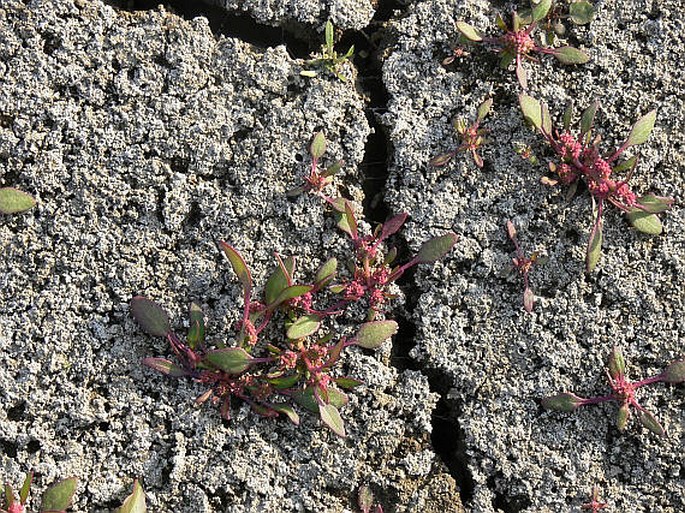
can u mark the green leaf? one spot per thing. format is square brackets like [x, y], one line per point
[58, 496]
[393, 225]
[239, 267]
[644, 221]
[483, 110]
[326, 272]
[568, 115]
[14, 201]
[675, 372]
[348, 383]
[365, 499]
[25, 488]
[506, 58]
[9, 496]
[288, 411]
[165, 367]
[626, 165]
[565, 402]
[304, 326]
[441, 160]
[328, 32]
[306, 399]
[581, 13]
[521, 74]
[318, 146]
[649, 421]
[284, 381]
[469, 32]
[351, 220]
[332, 169]
[531, 110]
[151, 317]
[372, 334]
[588, 118]
[290, 293]
[196, 333]
[616, 363]
[279, 280]
[622, 417]
[436, 248]
[540, 9]
[134, 503]
[640, 131]
[546, 119]
[331, 417]
[570, 55]
[594, 247]
[655, 204]
[232, 360]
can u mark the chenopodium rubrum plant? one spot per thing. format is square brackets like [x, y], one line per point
[622, 392]
[580, 160]
[523, 265]
[471, 137]
[517, 43]
[279, 357]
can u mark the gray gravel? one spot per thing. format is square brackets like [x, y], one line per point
[472, 328]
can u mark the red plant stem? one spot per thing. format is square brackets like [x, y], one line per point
[597, 400]
[649, 381]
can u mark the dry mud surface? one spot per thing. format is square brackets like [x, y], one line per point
[146, 137]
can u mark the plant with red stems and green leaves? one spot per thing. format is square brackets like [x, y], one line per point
[279, 356]
[471, 137]
[580, 160]
[523, 264]
[517, 43]
[594, 505]
[622, 392]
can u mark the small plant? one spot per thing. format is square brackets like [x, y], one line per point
[367, 502]
[523, 264]
[594, 505]
[330, 60]
[517, 43]
[580, 160]
[318, 177]
[525, 152]
[270, 365]
[56, 499]
[471, 137]
[14, 201]
[622, 392]
[579, 12]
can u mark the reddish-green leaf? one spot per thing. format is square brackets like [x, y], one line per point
[304, 327]
[622, 417]
[372, 334]
[528, 299]
[348, 383]
[239, 266]
[581, 12]
[655, 204]
[644, 221]
[288, 411]
[616, 363]
[594, 247]
[365, 499]
[232, 360]
[14, 201]
[649, 421]
[196, 333]
[565, 402]
[626, 165]
[484, 109]
[331, 417]
[469, 32]
[25, 488]
[675, 372]
[58, 496]
[151, 317]
[531, 110]
[290, 293]
[521, 74]
[540, 9]
[279, 279]
[165, 367]
[306, 399]
[441, 160]
[393, 225]
[568, 115]
[318, 146]
[436, 248]
[641, 130]
[588, 118]
[326, 272]
[283, 382]
[134, 503]
[570, 55]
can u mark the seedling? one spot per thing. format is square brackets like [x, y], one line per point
[622, 392]
[517, 43]
[580, 161]
[14, 201]
[471, 137]
[367, 502]
[525, 152]
[319, 177]
[594, 505]
[330, 60]
[523, 264]
[56, 499]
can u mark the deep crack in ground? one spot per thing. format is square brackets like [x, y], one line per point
[447, 436]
